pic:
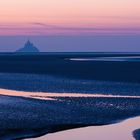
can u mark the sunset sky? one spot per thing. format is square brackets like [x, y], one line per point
[70, 25]
[69, 17]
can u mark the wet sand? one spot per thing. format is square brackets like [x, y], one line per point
[73, 94]
[53, 96]
[22, 116]
[111, 67]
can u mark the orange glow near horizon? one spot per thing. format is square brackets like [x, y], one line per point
[16, 15]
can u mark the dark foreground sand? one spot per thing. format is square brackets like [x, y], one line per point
[22, 117]
[25, 117]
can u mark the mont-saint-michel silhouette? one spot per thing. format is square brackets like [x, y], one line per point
[28, 48]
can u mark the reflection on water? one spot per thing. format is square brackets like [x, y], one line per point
[120, 131]
[51, 96]
[119, 59]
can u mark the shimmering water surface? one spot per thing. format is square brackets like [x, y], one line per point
[62, 92]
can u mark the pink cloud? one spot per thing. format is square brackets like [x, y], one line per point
[47, 29]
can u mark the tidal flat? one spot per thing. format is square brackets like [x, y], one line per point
[23, 117]
[48, 93]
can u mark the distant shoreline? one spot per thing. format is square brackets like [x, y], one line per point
[108, 68]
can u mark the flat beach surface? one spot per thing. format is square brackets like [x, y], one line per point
[24, 117]
[53, 98]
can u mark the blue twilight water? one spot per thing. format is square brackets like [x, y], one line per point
[27, 117]
[57, 84]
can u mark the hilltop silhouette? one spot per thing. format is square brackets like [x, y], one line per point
[28, 47]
